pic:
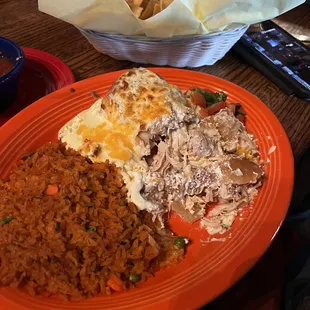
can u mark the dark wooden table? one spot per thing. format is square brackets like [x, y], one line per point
[22, 23]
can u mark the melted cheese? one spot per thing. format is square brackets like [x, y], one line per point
[136, 100]
[117, 140]
[109, 129]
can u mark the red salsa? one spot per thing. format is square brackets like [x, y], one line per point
[5, 66]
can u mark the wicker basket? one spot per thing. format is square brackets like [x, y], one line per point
[180, 51]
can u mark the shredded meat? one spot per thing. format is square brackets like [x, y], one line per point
[200, 144]
[194, 165]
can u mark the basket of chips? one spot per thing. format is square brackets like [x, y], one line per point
[178, 33]
[181, 51]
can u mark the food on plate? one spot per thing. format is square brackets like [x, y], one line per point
[67, 228]
[211, 103]
[175, 151]
[147, 8]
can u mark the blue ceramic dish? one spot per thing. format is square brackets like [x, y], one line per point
[9, 81]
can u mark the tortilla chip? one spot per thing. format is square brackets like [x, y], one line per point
[153, 7]
[137, 10]
[156, 9]
[145, 3]
[148, 11]
[166, 3]
[135, 6]
[134, 2]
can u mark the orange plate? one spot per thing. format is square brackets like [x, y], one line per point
[208, 268]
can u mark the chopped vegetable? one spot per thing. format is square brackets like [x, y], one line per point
[203, 112]
[180, 242]
[210, 98]
[134, 277]
[198, 99]
[115, 283]
[211, 103]
[57, 226]
[51, 190]
[216, 107]
[91, 228]
[6, 220]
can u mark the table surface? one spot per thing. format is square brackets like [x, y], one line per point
[22, 23]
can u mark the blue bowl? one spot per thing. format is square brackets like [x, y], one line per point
[9, 81]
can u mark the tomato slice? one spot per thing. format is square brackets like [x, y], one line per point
[203, 112]
[216, 107]
[198, 99]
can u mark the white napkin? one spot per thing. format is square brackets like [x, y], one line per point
[182, 17]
